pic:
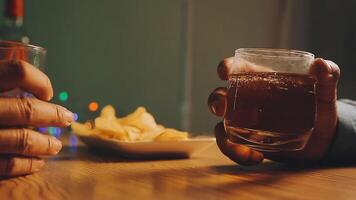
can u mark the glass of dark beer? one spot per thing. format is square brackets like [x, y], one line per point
[271, 99]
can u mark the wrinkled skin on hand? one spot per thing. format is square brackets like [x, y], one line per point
[21, 148]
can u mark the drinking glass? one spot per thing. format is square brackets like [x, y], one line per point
[32, 54]
[271, 99]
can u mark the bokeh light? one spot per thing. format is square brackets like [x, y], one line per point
[93, 106]
[51, 130]
[63, 96]
[73, 142]
[75, 116]
[43, 129]
[54, 131]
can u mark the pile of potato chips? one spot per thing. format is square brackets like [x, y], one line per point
[137, 126]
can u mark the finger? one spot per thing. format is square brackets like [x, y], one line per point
[20, 74]
[34, 112]
[225, 68]
[217, 101]
[327, 74]
[17, 166]
[28, 142]
[238, 153]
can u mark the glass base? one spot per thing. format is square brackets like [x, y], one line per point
[268, 141]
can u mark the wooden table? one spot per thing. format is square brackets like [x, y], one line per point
[78, 173]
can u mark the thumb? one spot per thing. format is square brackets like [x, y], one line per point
[327, 74]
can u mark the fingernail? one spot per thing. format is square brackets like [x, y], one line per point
[214, 108]
[69, 117]
[325, 64]
[56, 146]
[37, 165]
[217, 104]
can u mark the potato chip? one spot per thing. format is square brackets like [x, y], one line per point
[132, 132]
[151, 135]
[170, 134]
[108, 112]
[141, 119]
[137, 126]
[160, 126]
[130, 117]
[83, 129]
[110, 128]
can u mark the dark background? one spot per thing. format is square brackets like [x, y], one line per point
[163, 54]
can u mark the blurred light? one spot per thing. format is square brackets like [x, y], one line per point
[54, 131]
[58, 132]
[51, 130]
[63, 96]
[93, 106]
[75, 116]
[42, 129]
[73, 142]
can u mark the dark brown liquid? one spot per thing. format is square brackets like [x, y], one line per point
[281, 105]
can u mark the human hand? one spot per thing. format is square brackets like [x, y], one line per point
[327, 74]
[20, 146]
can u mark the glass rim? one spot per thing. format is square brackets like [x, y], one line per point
[30, 47]
[295, 54]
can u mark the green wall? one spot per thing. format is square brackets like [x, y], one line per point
[126, 53]
[137, 52]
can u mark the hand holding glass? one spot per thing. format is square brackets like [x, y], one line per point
[271, 99]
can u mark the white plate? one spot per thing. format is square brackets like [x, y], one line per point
[153, 149]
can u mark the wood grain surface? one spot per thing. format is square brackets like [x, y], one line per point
[80, 173]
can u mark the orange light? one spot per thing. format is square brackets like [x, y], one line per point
[93, 106]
